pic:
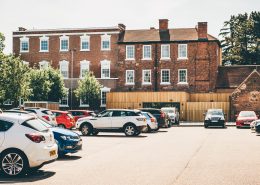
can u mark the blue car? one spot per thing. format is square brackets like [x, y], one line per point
[67, 141]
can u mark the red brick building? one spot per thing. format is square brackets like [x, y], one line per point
[73, 51]
[164, 59]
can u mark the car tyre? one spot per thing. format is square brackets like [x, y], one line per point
[95, 132]
[86, 129]
[130, 130]
[206, 126]
[19, 167]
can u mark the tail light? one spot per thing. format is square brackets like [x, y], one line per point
[46, 117]
[162, 115]
[37, 138]
[152, 119]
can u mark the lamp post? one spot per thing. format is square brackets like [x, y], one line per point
[71, 75]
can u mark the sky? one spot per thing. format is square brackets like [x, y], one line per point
[135, 14]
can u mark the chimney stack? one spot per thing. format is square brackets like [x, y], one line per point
[21, 29]
[163, 24]
[121, 26]
[202, 30]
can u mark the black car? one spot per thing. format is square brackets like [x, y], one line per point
[158, 114]
[214, 117]
[257, 126]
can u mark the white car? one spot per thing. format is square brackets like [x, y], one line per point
[152, 124]
[131, 122]
[42, 113]
[25, 144]
[172, 114]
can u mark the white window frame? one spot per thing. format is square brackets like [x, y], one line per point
[169, 51]
[24, 39]
[147, 58]
[81, 104]
[179, 51]
[179, 82]
[25, 63]
[126, 50]
[67, 98]
[106, 90]
[169, 71]
[146, 83]
[44, 38]
[130, 83]
[64, 38]
[83, 64]
[105, 37]
[85, 38]
[44, 64]
[105, 64]
[64, 63]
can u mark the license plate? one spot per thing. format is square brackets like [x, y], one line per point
[53, 152]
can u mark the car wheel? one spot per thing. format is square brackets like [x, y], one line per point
[149, 129]
[130, 130]
[61, 126]
[206, 126]
[86, 130]
[238, 126]
[13, 163]
[95, 132]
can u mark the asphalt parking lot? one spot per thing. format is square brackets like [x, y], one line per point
[179, 155]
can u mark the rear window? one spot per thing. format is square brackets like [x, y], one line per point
[30, 110]
[247, 114]
[35, 124]
[153, 111]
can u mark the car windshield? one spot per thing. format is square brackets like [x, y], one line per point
[247, 114]
[215, 113]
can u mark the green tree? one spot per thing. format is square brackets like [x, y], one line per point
[2, 39]
[46, 85]
[14, 81]
[88, 90]
[240, 39]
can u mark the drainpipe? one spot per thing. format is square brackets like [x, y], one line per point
[156, 68]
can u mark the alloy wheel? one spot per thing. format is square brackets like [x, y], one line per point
[129, 130]
[12, 164]
[85, 130]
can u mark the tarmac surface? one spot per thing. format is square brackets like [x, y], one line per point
[175, 156]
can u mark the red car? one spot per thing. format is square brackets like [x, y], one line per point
[244, 118]
[64, 119]
[81, 113]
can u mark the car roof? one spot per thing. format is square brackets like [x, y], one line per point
[148, 109]
[132, 110]
[60, 111]
[80, 110]
[14, 117]
[215, 110]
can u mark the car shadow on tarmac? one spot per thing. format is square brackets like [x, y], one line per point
[69, 158]
[32, 177]
[118, 136]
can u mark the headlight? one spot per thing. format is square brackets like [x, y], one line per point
[65, 137]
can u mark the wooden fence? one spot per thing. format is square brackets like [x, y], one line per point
[192, 106]
[42, 104]
[195, 110]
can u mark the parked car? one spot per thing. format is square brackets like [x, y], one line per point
[158, 114]
[172, 115]
[244, 118]
[152, 124]
[81, 113]
[36, 146]
[257, 127]
[42, 113]
[68, 141]
[214, 117]
[252, 125]
[64, 119]
[131, 122]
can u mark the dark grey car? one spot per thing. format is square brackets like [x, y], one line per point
[214, 117]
